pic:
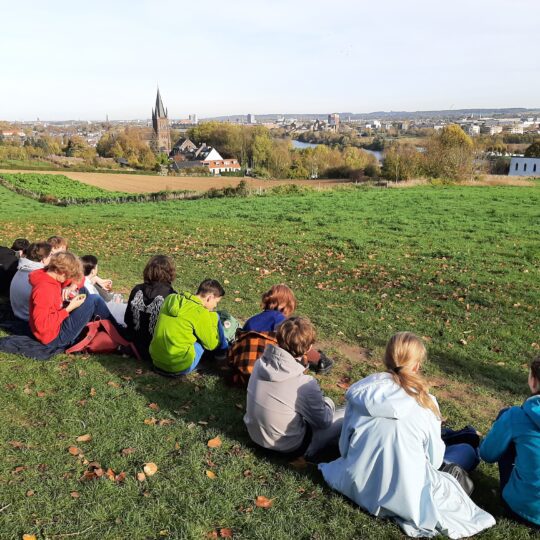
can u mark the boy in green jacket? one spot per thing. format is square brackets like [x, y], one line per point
[187, 325]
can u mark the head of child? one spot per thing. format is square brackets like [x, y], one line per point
[210, 292]
[405, 353]
[159, 269]
[39, 252]
[20, 245]
[296, 336]
[65, 266]
[58, 244]
[90, 265]
[534, 377]
[279, 298]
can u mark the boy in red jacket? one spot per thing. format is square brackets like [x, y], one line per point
[50, 322]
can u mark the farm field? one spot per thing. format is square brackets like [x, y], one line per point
[140, 183]
[458, 265]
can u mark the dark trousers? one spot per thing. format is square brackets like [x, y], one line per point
[93, 306]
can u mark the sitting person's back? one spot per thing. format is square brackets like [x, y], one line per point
[9, 259]
[146, 299]
[36, 256]
[286, 408]
[186, 327]
[391, 451]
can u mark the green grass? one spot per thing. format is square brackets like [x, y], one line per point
[457, 265]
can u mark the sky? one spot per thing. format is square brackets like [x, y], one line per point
[83, 60]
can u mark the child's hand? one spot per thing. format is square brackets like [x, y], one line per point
[104, 283]
[67, 291]
[76, 302]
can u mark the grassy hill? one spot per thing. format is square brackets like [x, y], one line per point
[459, 266]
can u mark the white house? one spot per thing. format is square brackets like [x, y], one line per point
[524, 166]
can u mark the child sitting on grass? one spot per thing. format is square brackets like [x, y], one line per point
[286, 410]
[187, 325]
[392, 451]
[514, 442]
[146, 299]
[51, 323]
[277, 303]
[35, 256]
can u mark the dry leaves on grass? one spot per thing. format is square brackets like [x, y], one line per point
[18, 444]
[75, 451]
[92, 392]
[128, 451]
[113, 384]
[84, 438]
[29, 537]
[214, 443]
[141, 477]
[212, 475]
[154, 407]
[150, 469]
[224, 532]
[30, 493]
[263, 502]
[75, 494]
[344, 383]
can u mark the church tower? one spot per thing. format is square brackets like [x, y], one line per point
[160, 123]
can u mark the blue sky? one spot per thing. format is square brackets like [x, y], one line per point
[61, 59]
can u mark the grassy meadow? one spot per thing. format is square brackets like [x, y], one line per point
[457, 265]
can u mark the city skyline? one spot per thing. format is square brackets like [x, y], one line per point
[85, 62]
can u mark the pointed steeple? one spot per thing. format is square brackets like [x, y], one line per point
[160, 109]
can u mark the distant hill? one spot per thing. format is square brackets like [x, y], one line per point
[389, 115]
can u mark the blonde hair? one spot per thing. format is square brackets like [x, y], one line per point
[67, 264]
[405, 351]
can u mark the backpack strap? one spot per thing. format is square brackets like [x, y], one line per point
[92, 328]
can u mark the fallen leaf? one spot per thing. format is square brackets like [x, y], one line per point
[110, 474]
[92, 392]
[226, 533]
[214, 443]
[166, 422]
[98, 472]
[30, 493]
[84, 438]
[343, 386]
[248, 473]
[177, 445]
[17, 444]
[75, 494]
[18, 469]
[27, 390]
[211, 475]
[128, 451]
[113, 384]
[154, 407]
[81, 403]
[29, 537]
[40, 394]
[463, 342]
[141, 477]
[150, 469]
[263, 502]
[150, 421]
[74, 451]
[237, 300]
[120, 477]
[202, 423]
[139, 371]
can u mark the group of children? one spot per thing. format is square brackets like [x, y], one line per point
[395, 460]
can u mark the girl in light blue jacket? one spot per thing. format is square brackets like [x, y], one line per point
[391, 451]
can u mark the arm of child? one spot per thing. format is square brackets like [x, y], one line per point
[317, 410]
[498, 439]
[435, 445]
[206, 330]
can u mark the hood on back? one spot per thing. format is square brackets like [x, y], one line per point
[40, 276]
[175, 302]
[26, 265]
[278, 365]
[532, 409]
[154, 289]
[380, 396]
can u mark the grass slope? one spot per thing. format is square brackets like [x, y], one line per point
[457, 265]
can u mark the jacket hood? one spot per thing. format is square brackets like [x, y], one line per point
[379, 396]
[176, 301]
[154, 289]
[532, 409]
[278, 365]
[40, 276]
[26, 265]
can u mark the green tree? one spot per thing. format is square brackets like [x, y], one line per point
[401, 162]
[533, 150]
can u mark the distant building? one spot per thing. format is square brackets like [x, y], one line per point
[471, 129]
[333, 120]
[161, 139]
[523, 166]
[489, 129]
[251, 119]
[193, 118]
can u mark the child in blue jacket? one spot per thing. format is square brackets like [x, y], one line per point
[514, 442]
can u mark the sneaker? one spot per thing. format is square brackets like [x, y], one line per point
[323, 366]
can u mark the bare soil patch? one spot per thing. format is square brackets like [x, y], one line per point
[142, 183]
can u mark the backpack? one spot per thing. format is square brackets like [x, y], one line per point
[101, 337]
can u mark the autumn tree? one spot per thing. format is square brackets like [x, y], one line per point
[78, 147]
[533, 150]
[401, 162]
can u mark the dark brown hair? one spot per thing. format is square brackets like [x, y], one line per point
[159, 269]
[58, 242]
[20, 244]
[38, 251]
[405, 351]
[210, 286]
[296, 335]
[89, 262]
[281, 298]
[67, 264]
[535, 371]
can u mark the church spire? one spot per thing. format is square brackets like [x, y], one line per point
[160, 109]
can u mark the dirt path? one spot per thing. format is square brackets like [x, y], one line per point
[143, 183]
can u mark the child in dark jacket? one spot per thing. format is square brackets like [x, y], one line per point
[514, 442]
[146, 299]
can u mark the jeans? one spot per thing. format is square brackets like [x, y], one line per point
[72, 326]
[463, 455]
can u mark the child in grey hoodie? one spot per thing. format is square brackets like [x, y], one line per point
[35, 256]
[286, 410]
